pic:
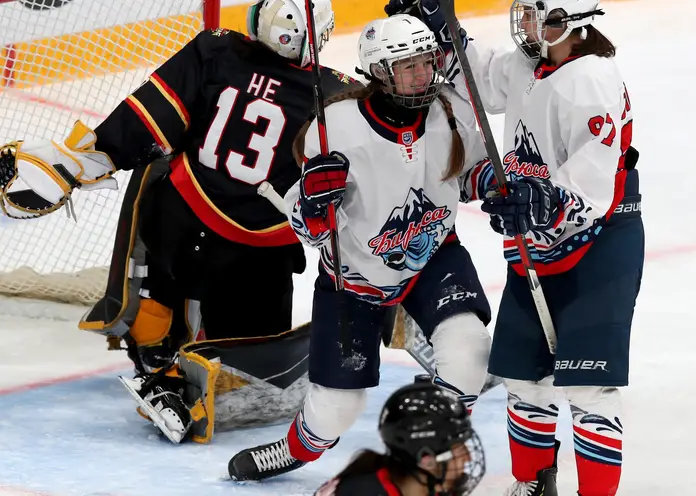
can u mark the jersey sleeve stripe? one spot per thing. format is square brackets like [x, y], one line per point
[172, 98]
[150, 123]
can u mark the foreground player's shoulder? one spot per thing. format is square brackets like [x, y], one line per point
[368, 483]
[590, 80]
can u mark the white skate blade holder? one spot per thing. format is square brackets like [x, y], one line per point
[155, 415]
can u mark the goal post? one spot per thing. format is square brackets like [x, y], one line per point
[63, 60]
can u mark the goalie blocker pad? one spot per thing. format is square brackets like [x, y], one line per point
[114, 314]
[245, 382]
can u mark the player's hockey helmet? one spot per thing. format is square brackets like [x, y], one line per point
[405, 40]
[281, 25]
[538, 16]
[424, 419]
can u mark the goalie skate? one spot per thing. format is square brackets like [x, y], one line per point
[164, 407]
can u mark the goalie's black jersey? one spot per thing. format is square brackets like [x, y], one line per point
[227, 110]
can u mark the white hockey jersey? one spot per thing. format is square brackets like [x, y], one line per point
[571, 123]
[397, 211]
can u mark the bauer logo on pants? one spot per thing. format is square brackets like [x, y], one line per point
[581, 365]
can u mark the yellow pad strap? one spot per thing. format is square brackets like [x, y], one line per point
[81, 137]
[205, 406]
[152, 323]
[198, 411]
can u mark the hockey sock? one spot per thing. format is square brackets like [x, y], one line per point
[327, 413]
[532, 415]
[597, 432]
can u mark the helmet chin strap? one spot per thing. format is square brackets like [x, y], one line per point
[545, 45]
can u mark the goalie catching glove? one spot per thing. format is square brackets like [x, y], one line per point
[38, 177]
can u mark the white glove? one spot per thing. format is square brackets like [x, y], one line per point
[38, 177]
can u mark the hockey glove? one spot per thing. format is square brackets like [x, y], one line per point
[532, 205]
[38, 177]
[402, 7]
[430, 13]
[323, 181]
[434, 17]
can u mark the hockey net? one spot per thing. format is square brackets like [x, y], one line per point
[63, 60]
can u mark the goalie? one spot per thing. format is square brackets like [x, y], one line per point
[200, 285]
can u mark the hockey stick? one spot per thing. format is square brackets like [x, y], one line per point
[346, 343]
[404, 325]
[487, 136]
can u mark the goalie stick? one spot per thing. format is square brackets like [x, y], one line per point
[487, 136]
[406, 334]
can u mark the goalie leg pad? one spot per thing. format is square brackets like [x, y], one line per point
[244, 382]
[152, 323]
[115, 312]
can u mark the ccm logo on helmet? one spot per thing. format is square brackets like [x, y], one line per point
[421, 40]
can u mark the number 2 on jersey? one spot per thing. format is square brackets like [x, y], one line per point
[265, 144]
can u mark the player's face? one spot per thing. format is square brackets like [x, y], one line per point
[455, 467]
[528, 23]
[413, 75]
[531, 29]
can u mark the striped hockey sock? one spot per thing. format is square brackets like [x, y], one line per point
[304, 445]
[597, 454]
[532, 435]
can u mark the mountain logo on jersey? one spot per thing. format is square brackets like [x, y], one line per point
[525, 160]
[412, 233]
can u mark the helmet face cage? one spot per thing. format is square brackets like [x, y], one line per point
[406, 78]
[467, 468]
[535, 22]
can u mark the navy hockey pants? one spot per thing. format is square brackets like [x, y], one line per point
[450, 272]
[592, 309]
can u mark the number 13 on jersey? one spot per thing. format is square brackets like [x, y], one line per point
[265, 144]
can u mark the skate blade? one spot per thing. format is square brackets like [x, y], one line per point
[155, 417]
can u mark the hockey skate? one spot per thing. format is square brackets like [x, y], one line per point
[544, 485]
[159, 397]
[263, 462]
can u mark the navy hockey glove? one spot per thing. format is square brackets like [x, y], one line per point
[434, 17]
[402, 7]
[430, 13]
[532, 205]
[323, 181]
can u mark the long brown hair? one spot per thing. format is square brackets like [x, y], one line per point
[595, 43]
[457, 153]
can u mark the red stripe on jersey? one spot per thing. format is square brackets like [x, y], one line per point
[149, 122]
[211, 216]
[558, 267]
[174, 96]
[385, 479]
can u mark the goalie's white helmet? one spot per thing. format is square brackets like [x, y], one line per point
[405, 41]
[281, 25]
[530, 17]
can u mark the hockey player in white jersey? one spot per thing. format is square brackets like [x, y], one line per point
[400, 146]
[574, 195]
